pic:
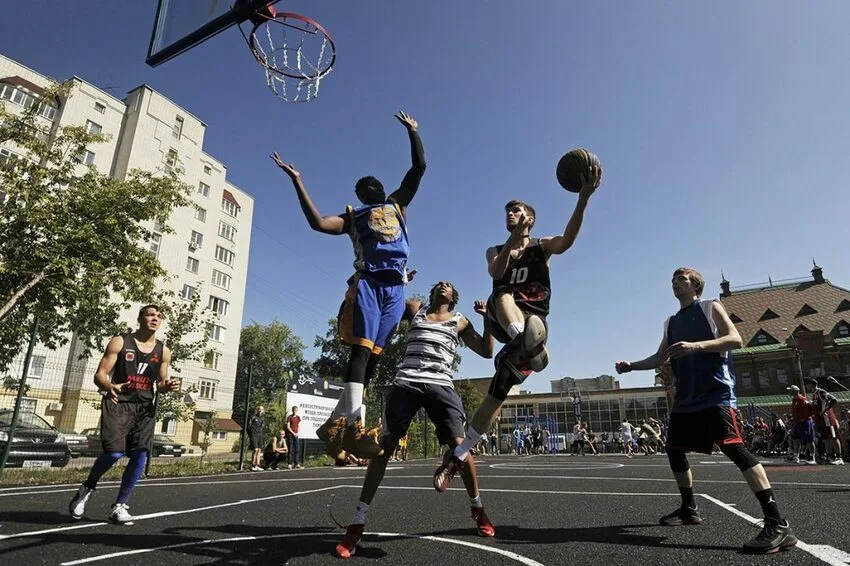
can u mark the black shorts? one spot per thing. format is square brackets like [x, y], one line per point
[256, 440]
[441, 402]
[491, 323]
[700, 431]
[125, 427]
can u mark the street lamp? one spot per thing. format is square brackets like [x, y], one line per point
[791, 340]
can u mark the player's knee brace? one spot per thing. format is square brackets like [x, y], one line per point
[678, 461]
[742, 457]
[357, 364]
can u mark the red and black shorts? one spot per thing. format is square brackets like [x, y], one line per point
[491, 321]
[701, 430]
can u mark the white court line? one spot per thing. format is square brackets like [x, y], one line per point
[534, 491]
[823, 552]
[113, 485]
[170, 513]
[506, 553]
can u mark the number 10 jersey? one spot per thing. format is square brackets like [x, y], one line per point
[527, 279]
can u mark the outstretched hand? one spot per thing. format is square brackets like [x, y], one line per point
[406, 120]
[480, 307]
[623, 367]
[288, 168]
[590, 181]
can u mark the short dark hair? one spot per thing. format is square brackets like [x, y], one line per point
[455, 295]
[368, 182]
[146, 307]
[528, 208]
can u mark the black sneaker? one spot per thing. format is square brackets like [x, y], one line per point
[682, 516]
[772, 538]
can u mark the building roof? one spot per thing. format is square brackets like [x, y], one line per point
[226, 425]
[228, 196]
[810, 305]
[22, 82]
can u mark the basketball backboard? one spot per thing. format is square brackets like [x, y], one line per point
[182, 24]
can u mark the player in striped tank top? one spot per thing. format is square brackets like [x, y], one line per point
[424, 379]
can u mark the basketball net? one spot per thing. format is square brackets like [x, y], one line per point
[295, 52]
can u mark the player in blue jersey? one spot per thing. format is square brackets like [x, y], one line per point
[374, 302]
[698, 341]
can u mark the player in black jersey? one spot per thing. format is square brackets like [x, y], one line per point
[516, 311]
[127, 417]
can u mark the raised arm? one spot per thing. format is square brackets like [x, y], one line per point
[326, 224]
[557, 245]
[481, 345]
[411, 307]
[410, 184]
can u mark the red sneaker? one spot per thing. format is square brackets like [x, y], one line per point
[348, 546]
[443, 476]
[485, 527]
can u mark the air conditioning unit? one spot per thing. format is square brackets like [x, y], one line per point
[193, 246]
[54, 407]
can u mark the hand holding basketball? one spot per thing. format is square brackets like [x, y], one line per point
[590, 181]
[288, 168]
[406, 120]
[574, 166]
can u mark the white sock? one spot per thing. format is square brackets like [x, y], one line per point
[358, 413]
[360, 514]
[470, 440]
[515, 329]
[351, 400]
[476, 502]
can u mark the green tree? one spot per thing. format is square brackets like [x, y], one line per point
[70, 236]
[471, 397]
[275, 354]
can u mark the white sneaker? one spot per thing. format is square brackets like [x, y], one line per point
[121, 514]
[837, 462]
[811, 462]
[77, 507]
[256, 469]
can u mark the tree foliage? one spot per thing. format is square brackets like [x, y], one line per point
[70, 236]
[275, 353]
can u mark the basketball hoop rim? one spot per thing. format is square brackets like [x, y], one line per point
[275, 15]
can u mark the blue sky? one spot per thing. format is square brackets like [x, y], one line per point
[722, 129]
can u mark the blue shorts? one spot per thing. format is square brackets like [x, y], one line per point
[370, 313]
[805, 431]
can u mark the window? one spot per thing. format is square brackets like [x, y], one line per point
[177, 128]
[746, 380]
[201, 214]
[217, 333]
[171, 159]
[155, 243]
[764, 378]
[761, 339]
[221, 280]
[86, 158]
[224, 255]
[218, 305]
[92, 128]
[7, 156]
[219, 435]
[169, 425]
[192, 264]
[158, 227]
[227, 231]
[207, 389]
[36, 369]
[197, 239]
[768, 314]
[207, 170]
[3, 195]
[230, 208]
[18, 95]
[816, 372]
[203, 189]
[188, 292]
[100, 108]
[782, 376]
[212, 359]
[806, 310]
[843, 328]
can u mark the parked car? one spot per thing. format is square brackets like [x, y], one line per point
[36, 444]
[162, 445]
[78, 444]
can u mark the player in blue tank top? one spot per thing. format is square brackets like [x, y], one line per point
[374, 302]
[697, 341]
